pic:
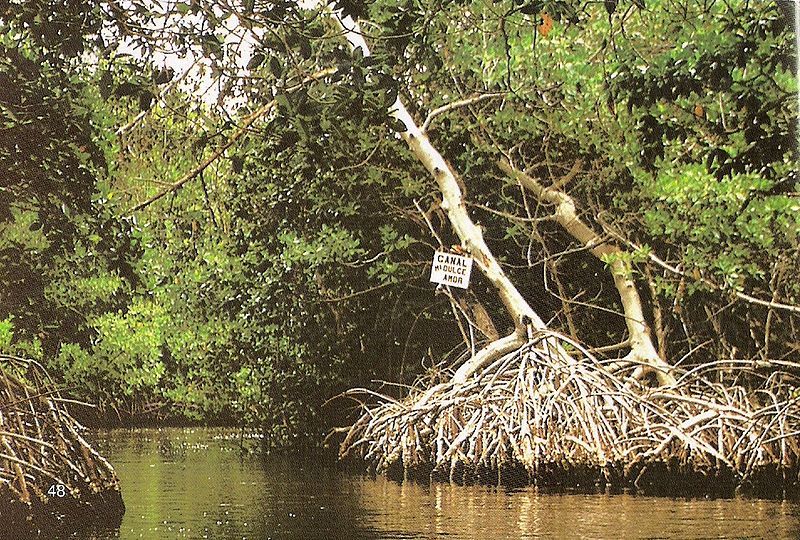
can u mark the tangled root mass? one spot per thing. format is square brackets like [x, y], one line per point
[533, 417]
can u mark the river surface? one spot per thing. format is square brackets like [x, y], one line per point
[193, 483]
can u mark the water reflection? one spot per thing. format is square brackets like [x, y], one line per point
[480, 512]
[184, 483]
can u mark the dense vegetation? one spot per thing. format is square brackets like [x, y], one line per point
[167, 266]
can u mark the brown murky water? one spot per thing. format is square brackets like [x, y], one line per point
[191, 483]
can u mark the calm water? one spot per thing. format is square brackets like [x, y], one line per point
[191, 483]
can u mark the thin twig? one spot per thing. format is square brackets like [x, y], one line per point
[455, 105]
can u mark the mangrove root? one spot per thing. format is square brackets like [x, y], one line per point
[559, 420]
[50, 477]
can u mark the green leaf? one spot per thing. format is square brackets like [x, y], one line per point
[256, 60]
[283, 102]
[275, 67]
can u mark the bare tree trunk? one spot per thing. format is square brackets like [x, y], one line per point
[642, 349]
[469, 233]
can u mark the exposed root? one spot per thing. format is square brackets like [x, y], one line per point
[565, 421]
[48, 472]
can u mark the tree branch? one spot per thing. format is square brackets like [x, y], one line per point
[160, 98]
[706, 281]
[456, 104]
[261, 111]
[642, 348]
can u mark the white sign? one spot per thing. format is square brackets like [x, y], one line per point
[451, 269]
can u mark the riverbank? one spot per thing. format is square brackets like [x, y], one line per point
[533, 417]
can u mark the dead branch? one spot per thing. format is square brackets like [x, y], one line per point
[455, 105]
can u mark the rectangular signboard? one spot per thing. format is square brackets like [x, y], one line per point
[451, 269]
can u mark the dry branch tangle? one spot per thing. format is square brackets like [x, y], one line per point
[41, 446]
[532, 409]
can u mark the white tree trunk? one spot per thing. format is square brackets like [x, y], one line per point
[469, 233]
[642, 349]
[471, 236]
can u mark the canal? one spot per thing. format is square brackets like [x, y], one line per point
[194, 483]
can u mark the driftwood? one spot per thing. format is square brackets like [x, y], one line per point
[50, 477]
[532, 418]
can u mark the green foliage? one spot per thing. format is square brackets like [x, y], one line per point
[295, 265]
[684, 118]
[57, 242]
[326, 261]
[6, 334]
